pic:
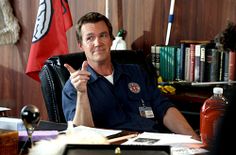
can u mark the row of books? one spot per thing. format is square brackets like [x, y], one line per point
[194, 61]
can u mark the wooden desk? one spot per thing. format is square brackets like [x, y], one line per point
[116, 140]
[8, 142]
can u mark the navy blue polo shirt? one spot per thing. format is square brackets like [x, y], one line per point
[116, 106]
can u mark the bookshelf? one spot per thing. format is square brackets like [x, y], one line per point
[195, 63]
[193, 68]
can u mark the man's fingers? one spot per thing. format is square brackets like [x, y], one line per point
[69, 68]
[84, 65]
[83, 68]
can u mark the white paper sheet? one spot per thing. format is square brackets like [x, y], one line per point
[103, 132]
[180, 144]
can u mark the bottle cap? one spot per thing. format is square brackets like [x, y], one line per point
[218, 90]
[121, 33]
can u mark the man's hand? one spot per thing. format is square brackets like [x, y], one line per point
[79, 78]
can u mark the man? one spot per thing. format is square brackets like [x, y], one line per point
[105, 94]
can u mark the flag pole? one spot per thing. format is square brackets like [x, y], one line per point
[107, 9]
[170, 21]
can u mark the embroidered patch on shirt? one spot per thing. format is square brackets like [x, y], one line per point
[134, 87]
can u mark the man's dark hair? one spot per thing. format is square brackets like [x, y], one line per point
[92, 17]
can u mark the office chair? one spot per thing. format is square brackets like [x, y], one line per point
[54, 75]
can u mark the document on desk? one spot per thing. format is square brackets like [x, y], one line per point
[180, 144]
[103, 132]
[149, 138]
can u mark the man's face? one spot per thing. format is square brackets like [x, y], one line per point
[96, 42]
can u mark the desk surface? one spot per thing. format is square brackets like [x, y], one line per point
[45, 125]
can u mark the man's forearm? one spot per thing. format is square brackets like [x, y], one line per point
[176, 122]
[83, 114]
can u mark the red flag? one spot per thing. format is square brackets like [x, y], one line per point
[49, 38]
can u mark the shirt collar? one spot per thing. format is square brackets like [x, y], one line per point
[118, 71]
[94, 75]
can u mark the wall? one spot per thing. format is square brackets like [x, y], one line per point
[144, 20]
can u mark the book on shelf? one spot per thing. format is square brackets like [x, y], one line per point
[197, 62]
[221, 66]
[163, 62]
[232, 63]
[192, 62]
[187, 63]
[178, 69]
[158, 60]
[212, 64]
[171, 62]
[180, 63]
[225, 66]
[155, 53]
[202, 62]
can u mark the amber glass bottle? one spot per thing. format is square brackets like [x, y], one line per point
[211, 112]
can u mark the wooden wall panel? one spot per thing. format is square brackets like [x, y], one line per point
[17, 89]
[144, 20]
[79, 8]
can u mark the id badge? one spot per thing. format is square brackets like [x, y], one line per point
[146, 112]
